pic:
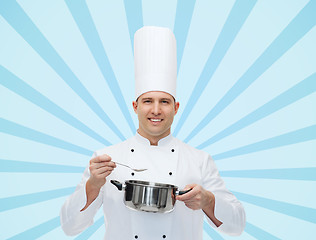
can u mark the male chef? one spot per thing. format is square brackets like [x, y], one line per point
[167, 160]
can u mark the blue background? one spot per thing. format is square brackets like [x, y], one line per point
[246, 86]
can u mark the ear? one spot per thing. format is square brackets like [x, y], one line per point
[176, 107]
[135, 106]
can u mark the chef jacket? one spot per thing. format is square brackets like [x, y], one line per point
[171, 162]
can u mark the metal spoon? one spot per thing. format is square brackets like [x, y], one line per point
[134, 169]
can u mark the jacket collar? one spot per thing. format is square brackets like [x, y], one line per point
[166, 141]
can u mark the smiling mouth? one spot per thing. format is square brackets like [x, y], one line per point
[155, 119]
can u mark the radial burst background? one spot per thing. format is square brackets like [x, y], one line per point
[246, 86]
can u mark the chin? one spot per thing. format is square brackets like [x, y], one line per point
[159, 134]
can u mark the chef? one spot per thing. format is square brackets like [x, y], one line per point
[167, 160]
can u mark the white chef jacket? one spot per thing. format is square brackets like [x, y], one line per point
[171, 162]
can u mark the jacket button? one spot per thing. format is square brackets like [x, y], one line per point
[170, 173]
[133, 174]
[164, 236]
[136, 236]
[172, 150]
[132, 150]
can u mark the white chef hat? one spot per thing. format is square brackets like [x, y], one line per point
[155, 60]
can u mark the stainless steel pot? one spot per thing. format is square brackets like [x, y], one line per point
[149, 196]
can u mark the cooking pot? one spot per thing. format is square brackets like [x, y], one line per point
[149, 196]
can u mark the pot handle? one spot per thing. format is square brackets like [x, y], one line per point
[117, 184]
[184, 191]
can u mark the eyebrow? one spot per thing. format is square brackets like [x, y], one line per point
[161, 99]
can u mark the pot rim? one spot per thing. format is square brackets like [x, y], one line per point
[150, 184]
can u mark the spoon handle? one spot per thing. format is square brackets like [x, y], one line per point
[136, 170]
[122, 164]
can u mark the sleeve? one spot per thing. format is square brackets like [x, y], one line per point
[227, 207]
[71, 219]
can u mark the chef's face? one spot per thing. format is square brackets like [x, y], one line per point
[155, 111]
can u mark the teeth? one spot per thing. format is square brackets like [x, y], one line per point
[155, 120]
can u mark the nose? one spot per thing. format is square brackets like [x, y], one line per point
[156, 108]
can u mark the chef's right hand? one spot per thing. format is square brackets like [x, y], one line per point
[100, 167]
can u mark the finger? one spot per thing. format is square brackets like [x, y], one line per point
[93, 166]
[96, 163]
[106, 174]
[190, 186]
[103, 169]
[189, 195]
[104, 158]
[195, 199]
[101, 158]
[191, 200]
[97, 172]
[105, 164]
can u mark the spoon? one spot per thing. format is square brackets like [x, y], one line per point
[134, 169]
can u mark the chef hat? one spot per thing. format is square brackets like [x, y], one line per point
[155, 59]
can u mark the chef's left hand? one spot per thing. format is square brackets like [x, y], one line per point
[197, 198]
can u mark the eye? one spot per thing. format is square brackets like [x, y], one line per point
[165, 101]
[147, 101]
